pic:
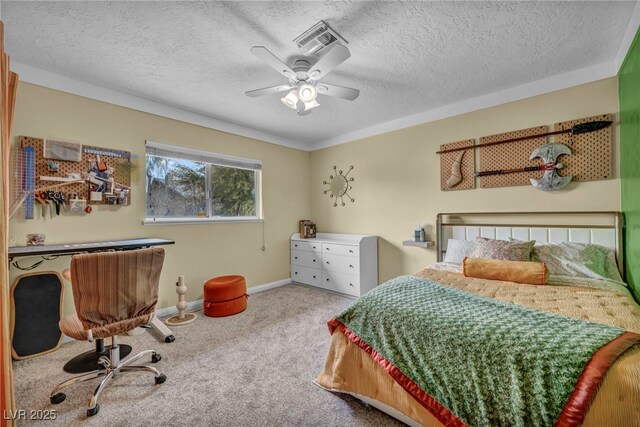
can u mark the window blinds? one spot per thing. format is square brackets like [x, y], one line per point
[174, 152]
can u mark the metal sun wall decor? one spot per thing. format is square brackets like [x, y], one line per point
[339, 185]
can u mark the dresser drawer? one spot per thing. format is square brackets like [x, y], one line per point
[305, 246]
[341, 282]
[347, 250]
[341, 263]
[305, 259]
[309, 276]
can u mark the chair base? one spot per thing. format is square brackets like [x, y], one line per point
[110, 367]
[88, 361]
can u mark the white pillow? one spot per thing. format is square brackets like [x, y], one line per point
[578, 260]
[458, 250]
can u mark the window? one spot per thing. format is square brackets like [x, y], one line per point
[185, 185]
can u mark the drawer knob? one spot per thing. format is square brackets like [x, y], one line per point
[296, 257]
[314, 260]
[351, 284]
[327, 249]
[350, 251]
[295, 272]
[295, 246]
[313, 247]
[350, 265]
[328, 262]
[314, 277]
[327, 279]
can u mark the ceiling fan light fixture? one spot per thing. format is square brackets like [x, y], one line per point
[291, 100]
[307, 93]
[310, 105]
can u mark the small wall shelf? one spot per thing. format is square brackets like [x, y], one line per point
[425, 244]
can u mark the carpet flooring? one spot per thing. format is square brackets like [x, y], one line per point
[252, 369]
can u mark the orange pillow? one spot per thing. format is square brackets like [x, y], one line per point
[527, 272]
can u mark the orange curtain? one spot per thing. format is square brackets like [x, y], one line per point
[8, 87]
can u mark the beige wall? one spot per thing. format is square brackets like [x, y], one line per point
[201, 251]
[396, 184]
[397, 175]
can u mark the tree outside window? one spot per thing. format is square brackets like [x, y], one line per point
[177, 188]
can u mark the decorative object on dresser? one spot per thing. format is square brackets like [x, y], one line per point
[345, 263]
[301, 224]
[307, 229]
[339, 185]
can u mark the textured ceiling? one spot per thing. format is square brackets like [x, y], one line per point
[407, 57]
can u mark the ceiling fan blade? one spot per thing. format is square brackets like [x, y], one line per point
[336, 56]
[267, 90]
[337, 91]
[273, 61]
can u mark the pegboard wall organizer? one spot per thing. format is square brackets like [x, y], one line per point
[511, 155]
[77, 177]
[462, 162]
[591, 155]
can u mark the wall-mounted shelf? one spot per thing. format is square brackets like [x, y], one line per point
[425, 244]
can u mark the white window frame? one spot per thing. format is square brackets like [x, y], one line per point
[209, 158]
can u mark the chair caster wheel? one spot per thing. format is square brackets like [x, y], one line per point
[170, 338]
[161, 378]
[58, 398]
[155, 358]
[92, 412]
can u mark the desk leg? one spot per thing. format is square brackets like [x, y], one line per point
[162, 329]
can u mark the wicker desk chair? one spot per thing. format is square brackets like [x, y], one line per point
[114, 292]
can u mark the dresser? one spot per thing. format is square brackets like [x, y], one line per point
[345, 263]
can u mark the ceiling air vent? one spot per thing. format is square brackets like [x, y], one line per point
[318, 38]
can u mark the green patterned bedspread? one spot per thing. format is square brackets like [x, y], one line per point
[489, 362]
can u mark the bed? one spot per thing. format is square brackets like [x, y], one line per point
[607, 391]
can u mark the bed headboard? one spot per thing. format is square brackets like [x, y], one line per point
[602, 228]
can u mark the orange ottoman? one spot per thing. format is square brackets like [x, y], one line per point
[224, 296]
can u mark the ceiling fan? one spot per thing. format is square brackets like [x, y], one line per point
[303, 78]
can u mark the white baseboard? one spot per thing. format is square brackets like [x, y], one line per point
[197, 304]
[267, 286]
[170, 311]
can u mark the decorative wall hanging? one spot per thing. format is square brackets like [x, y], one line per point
[456, 167]
[550, 180]
[588, 125]
[339, 185]
[581, 151]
